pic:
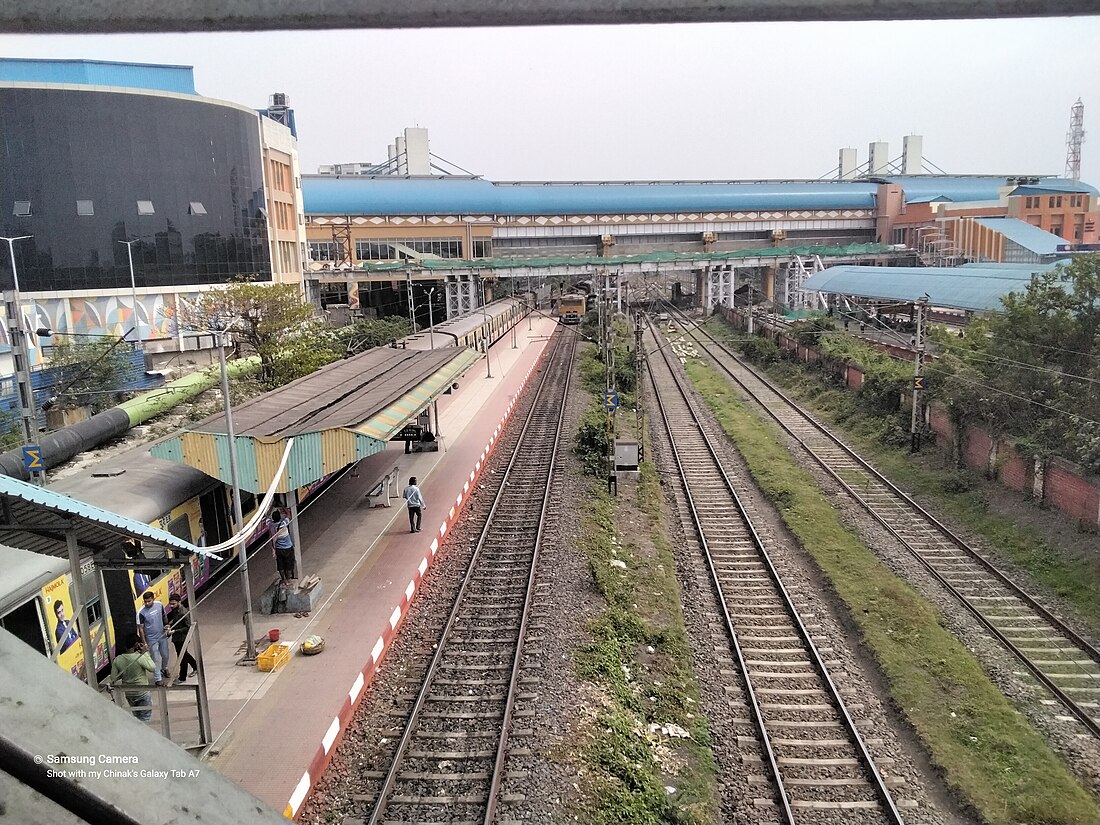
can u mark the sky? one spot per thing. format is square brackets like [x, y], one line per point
[661, 102]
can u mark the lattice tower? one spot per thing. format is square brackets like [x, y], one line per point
[1074, 138]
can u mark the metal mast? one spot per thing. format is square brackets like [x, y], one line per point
[1074, 138]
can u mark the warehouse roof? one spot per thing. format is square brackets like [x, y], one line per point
[977, 290]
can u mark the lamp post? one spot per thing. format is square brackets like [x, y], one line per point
[133, 287]
[238, 512]
[13, 310]
[431, 319]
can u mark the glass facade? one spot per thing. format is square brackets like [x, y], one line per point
[97, 168]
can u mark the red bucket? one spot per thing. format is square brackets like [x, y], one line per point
[273, 635]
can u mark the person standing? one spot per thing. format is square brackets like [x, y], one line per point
[181, 623]
[153, 629]
[132, 668]
[415, 501]
[282, 547]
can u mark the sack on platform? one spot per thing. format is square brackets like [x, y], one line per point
[313, 645]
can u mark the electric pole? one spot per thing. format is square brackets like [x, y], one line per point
[918, 375]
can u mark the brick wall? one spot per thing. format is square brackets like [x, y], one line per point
[1075, 496]
[1015, 470]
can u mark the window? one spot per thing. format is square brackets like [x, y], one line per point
[145, 208]
[85, 208]
[483, 248]
[322, 251]
[399, 249]
[22, 209]
[196, 208]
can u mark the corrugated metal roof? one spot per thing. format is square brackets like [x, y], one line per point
[342, 394]
[1031, 238]
[953, 287]
[338, 415]
[1004, 265]
[384, 195]
[1055, 186]
[25, 573]
[47, 514]
[163, 78]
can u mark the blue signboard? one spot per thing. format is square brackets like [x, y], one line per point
[32, 458]
[611, 399]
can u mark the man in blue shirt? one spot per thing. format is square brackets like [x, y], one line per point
[153, 625]
[282, 546]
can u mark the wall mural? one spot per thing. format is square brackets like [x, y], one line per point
[109, 316]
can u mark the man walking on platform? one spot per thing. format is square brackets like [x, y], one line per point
[415, 500]
[181, 623]
[153, 627]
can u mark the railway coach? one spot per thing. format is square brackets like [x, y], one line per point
[471, 329]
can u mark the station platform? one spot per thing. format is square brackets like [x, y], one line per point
[274, 732]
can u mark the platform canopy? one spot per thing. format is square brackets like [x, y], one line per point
[340, 414]
[977, 289]
[42, 521]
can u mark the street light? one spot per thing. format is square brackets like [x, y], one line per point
[12, 307]
[133, 287]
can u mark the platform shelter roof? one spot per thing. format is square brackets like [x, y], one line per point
[337, 415]
[973, 289]
[39, 519]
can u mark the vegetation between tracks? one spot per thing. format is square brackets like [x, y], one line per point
[958, 493]
[986, 749]
[639, 656]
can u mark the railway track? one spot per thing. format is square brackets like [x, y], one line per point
[818, 766]
[1059, 658]
[449, 762]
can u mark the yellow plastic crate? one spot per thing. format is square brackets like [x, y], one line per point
[274, 657]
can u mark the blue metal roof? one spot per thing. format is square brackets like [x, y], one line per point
[90, 516]
[179, 79]
[325, 195]
[955, 287]
[1055, 186]
[1031, 238]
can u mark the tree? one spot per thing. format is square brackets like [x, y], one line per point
[88, 373]
[264, 319]
[1033, 370]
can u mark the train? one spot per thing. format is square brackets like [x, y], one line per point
[471, 329]
[181, 500]
[571, 308]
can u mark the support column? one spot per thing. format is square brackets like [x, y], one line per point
[194, 644]
[295, 535]
[460, 291]
[77, 598]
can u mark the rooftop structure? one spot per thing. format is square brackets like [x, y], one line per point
[153, 77]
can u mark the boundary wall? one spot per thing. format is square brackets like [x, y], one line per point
[332, 737]
[1056, 482]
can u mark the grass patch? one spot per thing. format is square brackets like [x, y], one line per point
[986, 749]
[957, 493]
[628, 767]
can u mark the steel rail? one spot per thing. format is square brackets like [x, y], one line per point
[441, 648]
[1083, 716]
[569, 341]
[814, 655]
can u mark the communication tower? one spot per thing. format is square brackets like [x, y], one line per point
[1074, 138]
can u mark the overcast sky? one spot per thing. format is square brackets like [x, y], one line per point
[707, 101]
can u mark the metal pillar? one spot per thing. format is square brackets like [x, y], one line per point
[295, 535]
[918, 375]
[20, 359]
[461, 294]
[718, 287]
[238, 513]
[77, 598]
[205, 728]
